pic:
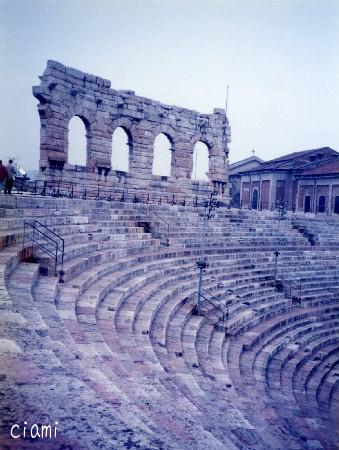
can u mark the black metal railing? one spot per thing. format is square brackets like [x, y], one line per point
[67, 189]
[46, 240]
[156, 224]
[217, 306]
[293, 290]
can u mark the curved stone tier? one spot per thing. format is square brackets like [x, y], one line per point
[116, 355]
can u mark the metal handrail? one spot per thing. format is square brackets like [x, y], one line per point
[45, 249]
[58, 246]
[214, 298]
[211, 302]
[294, 285]
[41, 232]
[47, 229]
[151, 215]
[152, 211]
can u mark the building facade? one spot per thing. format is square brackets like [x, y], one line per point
[307, 181]
[235, 170]
[318, 188]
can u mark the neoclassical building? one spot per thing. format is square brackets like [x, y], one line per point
[308, 181]
[235, 170]
[318, 188]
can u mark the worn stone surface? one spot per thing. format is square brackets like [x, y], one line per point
[117, 357]
[65, 92]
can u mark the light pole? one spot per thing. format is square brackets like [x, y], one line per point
[209, 206]
[282, 213]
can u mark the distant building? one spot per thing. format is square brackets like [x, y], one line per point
[235, 177]
[319, 188]
[307, 180]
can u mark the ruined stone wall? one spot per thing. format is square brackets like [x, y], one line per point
[66, 92]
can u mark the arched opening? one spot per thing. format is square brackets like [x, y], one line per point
[200, 162]
[307, 204]
[121, 144]
[322, 203]
[255, 199]
[336, 204]
[77, 142]
[162, 156]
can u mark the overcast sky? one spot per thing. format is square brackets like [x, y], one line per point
[279, 57]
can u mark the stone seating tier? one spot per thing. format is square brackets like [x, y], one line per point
[117, 342]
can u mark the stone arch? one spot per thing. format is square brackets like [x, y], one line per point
[77, 148]
[204, 139]
[172, 137]
[121, 149]
[132, 134]
[88, 118]
[200, 161]
[128, 126]
[208, 142]
[162, 155]
[168, 132]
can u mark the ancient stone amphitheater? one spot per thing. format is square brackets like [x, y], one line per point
[115, 355]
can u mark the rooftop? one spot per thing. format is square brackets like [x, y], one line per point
[297, 160]
[330, 168]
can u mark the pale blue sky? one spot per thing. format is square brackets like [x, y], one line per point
[279, 57]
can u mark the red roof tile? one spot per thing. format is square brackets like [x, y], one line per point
[329, 168]
[297, 160]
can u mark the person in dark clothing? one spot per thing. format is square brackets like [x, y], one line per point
[3, 176]
[10, 177]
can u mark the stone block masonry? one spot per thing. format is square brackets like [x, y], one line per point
[65, 92]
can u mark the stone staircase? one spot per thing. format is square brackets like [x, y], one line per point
[115, 355]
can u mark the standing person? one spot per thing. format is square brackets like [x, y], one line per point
[10, 178]
[3, 175]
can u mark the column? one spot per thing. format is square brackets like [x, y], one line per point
[314, 195]
[330, 194]
[240, 199]
[297, 196]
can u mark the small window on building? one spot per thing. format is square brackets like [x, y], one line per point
[322, 204]
[336, 205]
[307, 207]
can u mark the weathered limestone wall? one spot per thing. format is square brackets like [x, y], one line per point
[65, 92]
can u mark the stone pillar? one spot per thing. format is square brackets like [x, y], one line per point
[330, 194]
[315, 196]
[297, 196]
[240, 198]
[273, 188]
